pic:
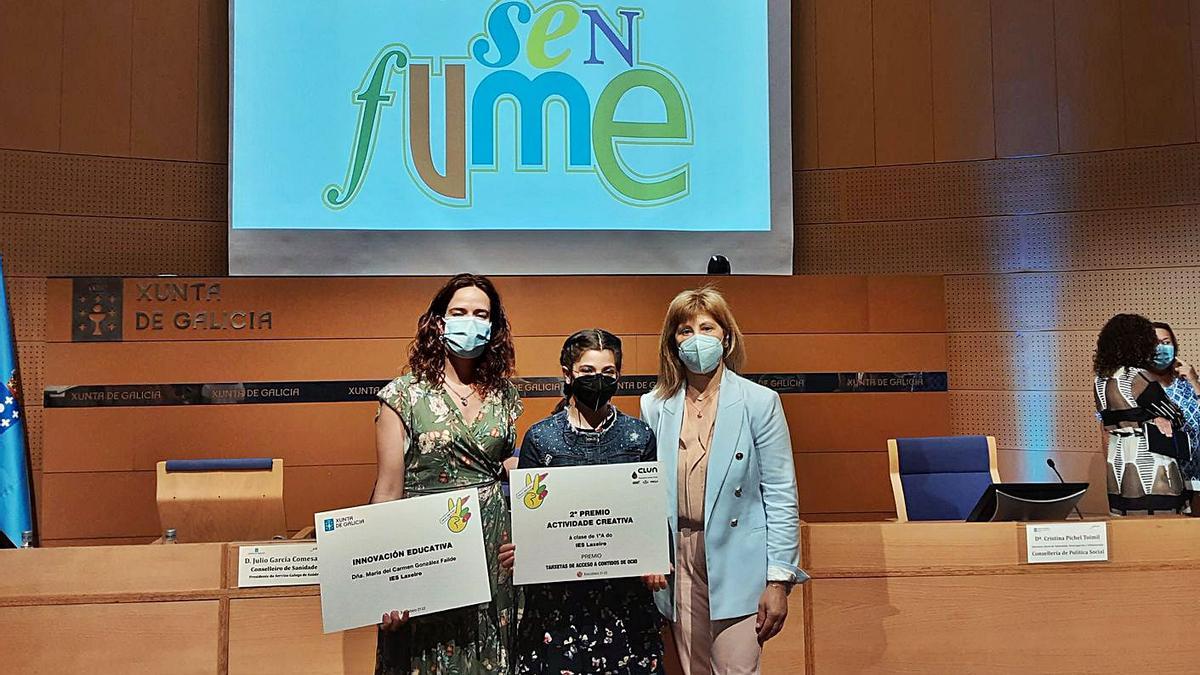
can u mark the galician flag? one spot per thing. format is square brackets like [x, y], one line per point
[16, 506]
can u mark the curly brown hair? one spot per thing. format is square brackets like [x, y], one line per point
[427, 355]
[1126, 341]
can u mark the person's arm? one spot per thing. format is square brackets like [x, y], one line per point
[530, 457]
[650, 449]
[528, 460]
[1188, 372]
[773, 447]
[391, 440]
[654, 582]
[649, 410]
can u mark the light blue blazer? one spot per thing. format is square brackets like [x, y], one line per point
[751, 516]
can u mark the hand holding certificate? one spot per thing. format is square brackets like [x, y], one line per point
[588, 522]
[421, 555]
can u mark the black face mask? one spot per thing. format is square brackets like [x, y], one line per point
[593, 391]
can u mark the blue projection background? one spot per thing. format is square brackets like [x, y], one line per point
[509, 115]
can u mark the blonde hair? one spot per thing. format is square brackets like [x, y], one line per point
[685, 307]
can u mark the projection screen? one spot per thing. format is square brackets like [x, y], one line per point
[427, 137]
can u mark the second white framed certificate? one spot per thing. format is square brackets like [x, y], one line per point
[589, 522]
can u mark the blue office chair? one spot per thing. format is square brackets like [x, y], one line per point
[940, 478]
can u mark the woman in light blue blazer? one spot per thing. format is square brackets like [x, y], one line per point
[731, 491]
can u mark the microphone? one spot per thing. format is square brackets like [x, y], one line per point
[1050, 463]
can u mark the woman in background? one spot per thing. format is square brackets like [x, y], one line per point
[1138, 417]
[448, 424]
[731, 490]
[1180, 382]
[604, 626]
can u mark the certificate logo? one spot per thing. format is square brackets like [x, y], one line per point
[458, 514]
[535, 490]
[329, 524]
[645, 475]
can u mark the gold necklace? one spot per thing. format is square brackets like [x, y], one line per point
[700, 404]
[462, 399]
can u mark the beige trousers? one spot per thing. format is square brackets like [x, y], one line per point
[706, 647]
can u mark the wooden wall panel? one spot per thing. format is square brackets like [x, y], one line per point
[1028, 420]
[334, 307]
[269, 360]
[906, 303]
[315, 434]
[848, 324]
[1125, 179]
[1036, 301]
[31, 51]
[212, 132]
[128, 439]
[154, 637]
[963, 117]
[845, 101]
[1157, 58]
[843, 482]
[1023, 68]
[863, 422]
[51, 245]
[97, 77]
[165, 63]
[115, 187]
[1194, 16]
[1083, 240]
[1052, 360]
[799, 353]
[122, 504]
[1091, 90]
[903, 81]
[1089, 467]
[805, 137]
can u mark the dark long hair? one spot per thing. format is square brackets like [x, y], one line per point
[1171, 332]
[591, 339]
[427, 355]
[1126, 341]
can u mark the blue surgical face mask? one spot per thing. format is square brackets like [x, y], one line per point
[466, 336]
[1164, 356]
[701, 353]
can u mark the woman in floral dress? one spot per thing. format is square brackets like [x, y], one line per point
[447, 424]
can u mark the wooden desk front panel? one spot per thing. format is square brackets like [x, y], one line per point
[147, 638]
[1096, 621]
[283, 635]
[43, 575]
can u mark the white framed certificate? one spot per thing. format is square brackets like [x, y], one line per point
[423, 554]
[589, 522]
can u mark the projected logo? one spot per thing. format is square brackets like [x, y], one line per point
[528, 64]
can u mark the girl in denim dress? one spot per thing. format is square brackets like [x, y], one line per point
[606, 626]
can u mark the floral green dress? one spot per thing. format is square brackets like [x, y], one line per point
[446, 452]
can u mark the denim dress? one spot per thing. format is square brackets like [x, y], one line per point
[604, 626]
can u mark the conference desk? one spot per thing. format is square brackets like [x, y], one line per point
[885, 598]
